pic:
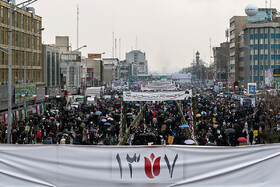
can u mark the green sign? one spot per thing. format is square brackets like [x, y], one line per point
[262, 16]
[28, 92]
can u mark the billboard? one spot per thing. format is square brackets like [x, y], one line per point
[262, 16]
[94, 55]
[27, 93]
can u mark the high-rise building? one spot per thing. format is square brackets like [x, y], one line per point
[236, 26]
[138, 62]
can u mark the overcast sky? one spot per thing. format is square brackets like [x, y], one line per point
[168, 31]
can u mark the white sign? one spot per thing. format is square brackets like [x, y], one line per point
[88, 166]
[182, 76]
[68, 57]
[156, 96]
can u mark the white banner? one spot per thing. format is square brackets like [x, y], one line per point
[159, 85]
[87, 166]
[156, 96]
[182, 76]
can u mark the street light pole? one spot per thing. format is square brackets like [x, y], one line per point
[10, 77]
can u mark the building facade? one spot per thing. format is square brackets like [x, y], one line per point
[237, 24]
[263, 53]
[26, 46]
[51, 64]
[124, 70]
[27, 66]
[95, 70]
[111, 70]
[254, 48]
[221, 62]
[70, 63]
[137, 60]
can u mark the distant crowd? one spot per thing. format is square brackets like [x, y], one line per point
[220, 121]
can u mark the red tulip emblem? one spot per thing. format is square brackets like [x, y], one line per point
[152, 167]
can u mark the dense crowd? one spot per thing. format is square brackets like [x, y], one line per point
[220, 121]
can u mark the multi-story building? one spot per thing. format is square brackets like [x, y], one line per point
[138, 62]
[237, 24]
[95, 70]
[83, 73]
[70, 63]
[221, 62]
[124, 70]
[255, 48]
[111, 69]
[26, 53]
[51, 64]
[26, 45]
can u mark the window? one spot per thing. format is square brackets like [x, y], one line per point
[27, 23]
[71, 76]
[38, 59]
[265, 35]
[21, 21]
[39, 76]
[16, 38]
[2, 14]
[57, 69]
[2, 36]
[16, 57]
[38, 26]
[53, 68]
[251, 36]
[2, 60]
[33, 43]
[16, 19]
[2, 74]
[48, 68]
[32, 25]
[34, 58]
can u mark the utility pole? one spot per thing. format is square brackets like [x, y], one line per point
[10, 77]
[10, 95]
[78, 26]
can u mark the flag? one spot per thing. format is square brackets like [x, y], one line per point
[155, 113]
